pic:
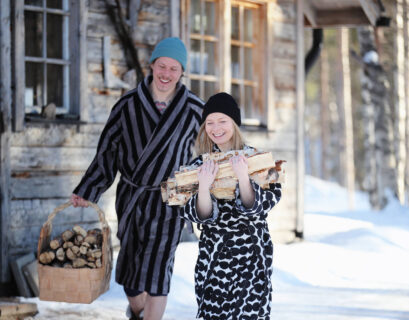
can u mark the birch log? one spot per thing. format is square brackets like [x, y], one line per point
[262, 170]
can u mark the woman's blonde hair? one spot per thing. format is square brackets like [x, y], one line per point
[204, 144]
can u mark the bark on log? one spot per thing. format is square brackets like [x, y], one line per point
[261, 166]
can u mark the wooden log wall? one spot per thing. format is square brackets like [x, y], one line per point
[48, 160]
[281, 140]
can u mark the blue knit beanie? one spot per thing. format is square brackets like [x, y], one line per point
[171, 48]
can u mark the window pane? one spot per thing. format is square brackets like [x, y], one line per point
[55, 4]
[54, 36]
[248, 104]
[195, 56]
[38, 3]
[208, 58]
[195, 87]
[195, 16]
[235, 92]
[210, 18]
[235, 62]
[235, 23]
[34, 85]
[248, 63]
[248, 25]
[55, 84]
[210, 89]
[33, 24]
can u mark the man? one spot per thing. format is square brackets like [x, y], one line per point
[149, 135]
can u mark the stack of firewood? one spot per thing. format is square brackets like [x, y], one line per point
[262, 169]
[74, 248]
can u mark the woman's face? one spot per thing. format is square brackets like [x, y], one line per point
[219, 127]
[166, 74]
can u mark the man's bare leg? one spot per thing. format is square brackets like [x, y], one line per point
[137, 303]
[154, 307]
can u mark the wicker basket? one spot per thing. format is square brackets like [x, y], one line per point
[82, 285]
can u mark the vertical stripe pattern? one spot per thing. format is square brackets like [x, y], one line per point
[146, 148]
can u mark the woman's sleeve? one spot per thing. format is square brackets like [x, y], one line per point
[265, 199]
[102, 171]
[189, 212]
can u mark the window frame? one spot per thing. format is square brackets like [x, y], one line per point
[265, 82]
[76, 61]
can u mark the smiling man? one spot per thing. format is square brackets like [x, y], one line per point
[149, 135]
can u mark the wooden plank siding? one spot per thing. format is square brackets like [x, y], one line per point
[43, 162]
[5, 132]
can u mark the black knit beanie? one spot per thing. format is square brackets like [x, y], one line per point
[224, 103]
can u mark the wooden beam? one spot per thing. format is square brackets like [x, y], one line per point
[300, 76]
[347, 18]
[310, 13]
[371, 10]
[5, 118]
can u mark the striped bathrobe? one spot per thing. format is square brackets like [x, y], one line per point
[145, 146]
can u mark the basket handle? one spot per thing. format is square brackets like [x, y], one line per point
[52, 215]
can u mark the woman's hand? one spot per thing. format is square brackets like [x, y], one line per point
[77, 201]
[207, 173]
[240, 167]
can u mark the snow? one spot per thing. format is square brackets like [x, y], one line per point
[353, 264]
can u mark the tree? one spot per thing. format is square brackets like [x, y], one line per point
[377, 121]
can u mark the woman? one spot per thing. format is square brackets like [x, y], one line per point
[149, 134]
[234, 266]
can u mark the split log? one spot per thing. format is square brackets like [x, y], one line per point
[56, 243]
[60, 254]
[261, 167]
[80, 231]
[67, 235]
[46, 257]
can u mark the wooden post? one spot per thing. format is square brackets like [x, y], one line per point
[324, 114]
[347, 160]
[5, 112]
[400, 122]
[300, 75]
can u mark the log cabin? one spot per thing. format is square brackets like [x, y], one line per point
[63, 64]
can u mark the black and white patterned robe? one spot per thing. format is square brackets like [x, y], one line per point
[234, 267]
[145, 147]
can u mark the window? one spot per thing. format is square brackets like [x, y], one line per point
[204, 41]
[227, 52]
[46, 24]
[49, 58]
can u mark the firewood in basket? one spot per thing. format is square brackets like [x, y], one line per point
[95, 239]
[56, 243]
[46, 257]
[84, 248]
[67, 265]
[68, 244]
[76, 250]
[91, 265]
[78, 239]
[70, 254]
[80, 231]
[94, 253]
[79, 263]
[60, 254]
[67, 235]
[98, 263]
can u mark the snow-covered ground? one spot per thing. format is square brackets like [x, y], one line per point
[352, 265]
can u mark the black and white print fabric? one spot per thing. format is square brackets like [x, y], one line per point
[146, 147]
[234, 268]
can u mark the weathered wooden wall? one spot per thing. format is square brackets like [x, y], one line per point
[282, 139]
[48, 160]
